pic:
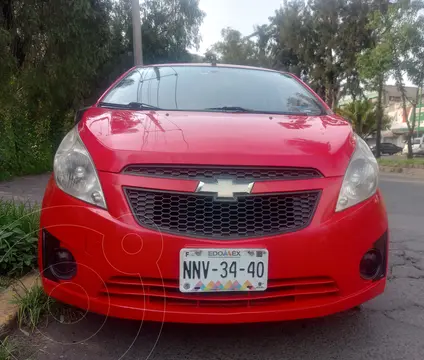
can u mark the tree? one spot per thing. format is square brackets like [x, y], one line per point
[319, 40]
[363, 116]
[169, 28]
[398, 36]
[57, 55]
[235, 49]
[374, 66]
[262, 36]
[52, 51]
[292, 39]
[375, 63]
[406, 37]
[355, 37]
[210, 56]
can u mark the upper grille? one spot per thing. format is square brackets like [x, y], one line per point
[213, 172]
[199, 215]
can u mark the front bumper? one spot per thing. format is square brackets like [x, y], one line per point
[130, 272]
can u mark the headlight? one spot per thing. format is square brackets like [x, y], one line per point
[75, 173]
[361, 179]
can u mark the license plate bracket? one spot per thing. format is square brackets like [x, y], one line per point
[223, 270]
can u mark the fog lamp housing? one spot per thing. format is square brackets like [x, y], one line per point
[58, 262]
[370, 264]
[373, 264]
[63, 265]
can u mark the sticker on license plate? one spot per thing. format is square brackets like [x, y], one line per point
[218, 270]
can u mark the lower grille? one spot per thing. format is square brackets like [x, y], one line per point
[279, 291]
[200, 215]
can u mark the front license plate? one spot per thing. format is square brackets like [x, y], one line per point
[218, 270]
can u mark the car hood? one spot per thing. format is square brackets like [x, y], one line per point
[116, 138]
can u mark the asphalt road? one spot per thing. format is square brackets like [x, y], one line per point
[389, 327]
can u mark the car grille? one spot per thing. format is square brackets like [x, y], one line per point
[200, 215]
[279, 291]
[214, 172]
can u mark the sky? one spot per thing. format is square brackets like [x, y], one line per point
[240, 15]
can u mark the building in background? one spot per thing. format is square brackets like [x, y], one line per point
[392, 104]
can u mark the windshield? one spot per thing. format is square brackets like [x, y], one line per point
[417, 141]
[208, 88]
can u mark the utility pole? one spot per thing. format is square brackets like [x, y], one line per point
[137, 48]
[419, 111]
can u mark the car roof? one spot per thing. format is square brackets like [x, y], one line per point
[216, 65]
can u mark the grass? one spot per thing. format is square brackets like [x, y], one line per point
[5, 281]
[403, 162]
[7, 350]
[5, 176]
[25, 214]
[33, 304]
[19, 225]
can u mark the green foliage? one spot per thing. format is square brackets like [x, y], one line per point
[234, 49]
[5, 281]
[58, 55]
[318, 40]
[402, 162]
[363, 116]
[398, 37]
[32, 304]
[375, 63]
[19, 225]
[7, 350]
[169, 28]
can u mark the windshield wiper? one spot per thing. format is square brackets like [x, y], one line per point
[231, 109]
[244, 110]
[129, 106]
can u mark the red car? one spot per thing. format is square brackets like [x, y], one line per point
[212, 194]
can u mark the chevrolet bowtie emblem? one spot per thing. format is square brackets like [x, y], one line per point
[224, 188]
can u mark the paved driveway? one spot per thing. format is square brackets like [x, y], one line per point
[25, 188]
[389, 327]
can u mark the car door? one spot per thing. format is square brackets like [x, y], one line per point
[384, 149]
[391, 149]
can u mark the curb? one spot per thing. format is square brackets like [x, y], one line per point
[8, 310]
[409, 171]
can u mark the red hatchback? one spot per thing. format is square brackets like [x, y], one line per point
[212, 194]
